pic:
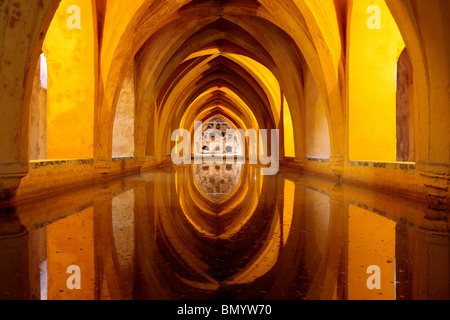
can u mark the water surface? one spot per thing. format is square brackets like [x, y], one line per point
[223, 232]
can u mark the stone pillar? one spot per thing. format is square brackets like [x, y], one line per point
[103, 135]
[423, 25]
[25, 23]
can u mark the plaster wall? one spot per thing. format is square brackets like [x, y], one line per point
[71, 84]
[372, 63]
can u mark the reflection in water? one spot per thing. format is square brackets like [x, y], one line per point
[201, 232]
[217, 181]
[14, 239]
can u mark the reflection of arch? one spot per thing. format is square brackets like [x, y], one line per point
[235, 209]
[261, 222]
[106, 247]
[181, 239]
[325, 284]
[218, 191]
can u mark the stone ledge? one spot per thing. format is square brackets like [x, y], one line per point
[53, 176]
[33, 165]
[320, 160]
[385, 165]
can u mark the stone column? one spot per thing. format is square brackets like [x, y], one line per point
[24, 24]
[423, 25]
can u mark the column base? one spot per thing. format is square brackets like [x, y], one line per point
[300, 163]
[103, 166]
[9, 183]
[337, 164]
[436, 185]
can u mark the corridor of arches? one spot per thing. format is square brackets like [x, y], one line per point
[346, 100]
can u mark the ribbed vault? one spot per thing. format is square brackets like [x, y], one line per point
[189, 56]
[217, 56]
[239, 51]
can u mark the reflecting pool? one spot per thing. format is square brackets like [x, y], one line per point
[223, 232]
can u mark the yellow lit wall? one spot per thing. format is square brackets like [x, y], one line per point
[289, 146]
[317, 132]
[371, 242]
[372, 96]
[70, 57]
